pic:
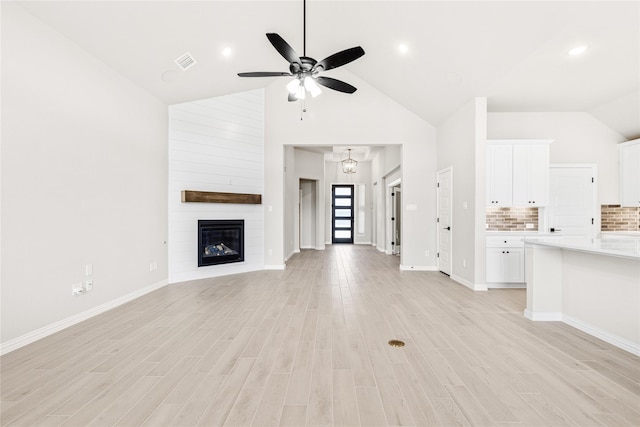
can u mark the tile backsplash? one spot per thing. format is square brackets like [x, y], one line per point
[511, 219]
[617, 218]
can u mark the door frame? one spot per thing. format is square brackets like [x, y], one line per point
[438, 243]
[390, 228]
[352, 218]
[315, 184]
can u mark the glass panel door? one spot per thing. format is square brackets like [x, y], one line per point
[342, 214]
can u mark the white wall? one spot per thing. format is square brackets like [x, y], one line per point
[365, 118]
[578, 138]
[461, 144]
[215, 144]
[84, 178]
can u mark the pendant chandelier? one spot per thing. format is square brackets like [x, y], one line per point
[349, 165]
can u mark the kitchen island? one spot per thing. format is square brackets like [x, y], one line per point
[590, 284]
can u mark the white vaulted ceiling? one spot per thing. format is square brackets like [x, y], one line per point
[512, 52]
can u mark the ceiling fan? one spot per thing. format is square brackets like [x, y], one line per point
[306, 69]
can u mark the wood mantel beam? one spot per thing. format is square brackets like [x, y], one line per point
[189, 196]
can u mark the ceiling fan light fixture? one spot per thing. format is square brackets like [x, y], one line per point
[349, 165]
[293, 86]
[300, 92]
[312, 87]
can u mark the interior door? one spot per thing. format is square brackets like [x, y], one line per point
[572, 197]
[445, 195]
[342, 214]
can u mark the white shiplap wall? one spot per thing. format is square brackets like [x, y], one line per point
[215, 144]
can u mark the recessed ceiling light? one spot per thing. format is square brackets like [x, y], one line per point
[577, 50]
[403, 48]
[226, 51]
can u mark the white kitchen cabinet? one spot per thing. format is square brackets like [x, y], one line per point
[630, 173]
[499, 174]
[505, 260]
[530, 175]
[517, 173]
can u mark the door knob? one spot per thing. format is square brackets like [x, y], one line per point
[447, 228]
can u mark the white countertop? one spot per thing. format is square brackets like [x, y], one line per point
[620, 233]
[627, 247]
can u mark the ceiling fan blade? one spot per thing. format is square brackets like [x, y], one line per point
[334, 84]
[341, 58]
[264, 74]
[292, 97]
[283, 48]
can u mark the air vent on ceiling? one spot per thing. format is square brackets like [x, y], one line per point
[185, 61]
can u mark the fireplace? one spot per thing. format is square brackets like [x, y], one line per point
[220, 241]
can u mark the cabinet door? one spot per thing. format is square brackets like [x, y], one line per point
[495, 267]
[630, 175]
[530, 175]
[514, 265]
[499, 171]
[539, 174]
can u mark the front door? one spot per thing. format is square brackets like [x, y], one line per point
[342, 214]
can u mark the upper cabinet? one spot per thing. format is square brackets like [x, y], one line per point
[499, 172]
[518, 173]
[630, 173]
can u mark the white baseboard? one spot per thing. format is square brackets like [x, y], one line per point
[623, 343]
[543, 316]
[320, 248]
[274, 267]
[380, 249]
[45, 331]
[494, 285]
[363, 243]
[468, 284]
[418, 268]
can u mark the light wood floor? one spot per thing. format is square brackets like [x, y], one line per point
[308, 346]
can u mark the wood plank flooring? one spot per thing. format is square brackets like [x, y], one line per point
[308, 347]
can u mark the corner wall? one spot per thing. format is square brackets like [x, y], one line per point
[84, 178]
[461, 144]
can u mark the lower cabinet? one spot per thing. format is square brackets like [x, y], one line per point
[505, 260]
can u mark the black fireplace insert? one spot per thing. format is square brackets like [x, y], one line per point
[220, 241]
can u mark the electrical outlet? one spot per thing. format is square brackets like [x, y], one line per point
[88, 269]
[88, 285]
[426, 253]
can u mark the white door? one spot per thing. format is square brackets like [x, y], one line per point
[445, 195]
[572, 201]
